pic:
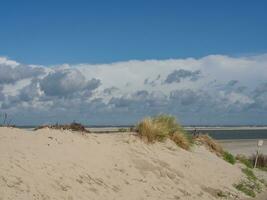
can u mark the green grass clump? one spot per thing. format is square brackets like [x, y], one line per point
[246, 189]
[229, 157]
[246, 161]
[250, 174]
[161, 127]
[251, 185]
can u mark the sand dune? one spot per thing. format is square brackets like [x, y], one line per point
[53, 164]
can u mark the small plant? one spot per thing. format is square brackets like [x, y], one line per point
[249, 173]
[6, 121]
[243, 159]
[229, 157]
[245, 188]
[221, 194]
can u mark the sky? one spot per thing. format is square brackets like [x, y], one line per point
[114, 62]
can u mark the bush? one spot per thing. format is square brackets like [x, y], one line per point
[229, 157]
[160, 127]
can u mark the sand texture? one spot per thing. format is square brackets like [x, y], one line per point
[53, 164]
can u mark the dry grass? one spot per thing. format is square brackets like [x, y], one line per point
[73, 127]
[262, 160]
[210, 143]
[151, 131]
[160, 127]
[181, 140]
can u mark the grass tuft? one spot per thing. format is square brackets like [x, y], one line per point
[245, 188]
[229, 157]
[161, 127]
[246, 161]
[181, 140]
[250, 174]
[209, 142]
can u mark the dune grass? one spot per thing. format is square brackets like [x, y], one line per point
[250, 174]
[246, 189]
[244, 160]
[210, 143]
[72, 127]
[161, 127]
[251, 185]
[229, 157]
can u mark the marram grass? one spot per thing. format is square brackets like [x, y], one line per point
[161, 127]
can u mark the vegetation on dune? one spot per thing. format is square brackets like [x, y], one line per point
[261, 162]
[245, 188]
[73, 127]
[246, 161]
[251, 185]
[229, 157]
[210, 143]
[250, 174]
[161, 127]
[181, 140]
[250, 161]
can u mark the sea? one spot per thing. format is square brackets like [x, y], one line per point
[233, 134]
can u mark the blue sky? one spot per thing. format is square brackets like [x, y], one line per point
[115, 62]
[56, 32]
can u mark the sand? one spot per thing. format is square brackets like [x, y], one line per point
[245, 147]
[53, 164]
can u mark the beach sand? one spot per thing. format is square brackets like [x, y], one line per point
[245, 147]
[54, 164]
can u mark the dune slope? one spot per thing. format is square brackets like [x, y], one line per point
[53, 164]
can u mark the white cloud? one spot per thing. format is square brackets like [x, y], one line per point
[212, 85]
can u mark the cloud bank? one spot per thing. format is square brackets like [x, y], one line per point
[215, 89]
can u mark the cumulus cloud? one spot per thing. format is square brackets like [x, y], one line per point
[214, 89]
[10, 72]
[67, 82]
[178, 75]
